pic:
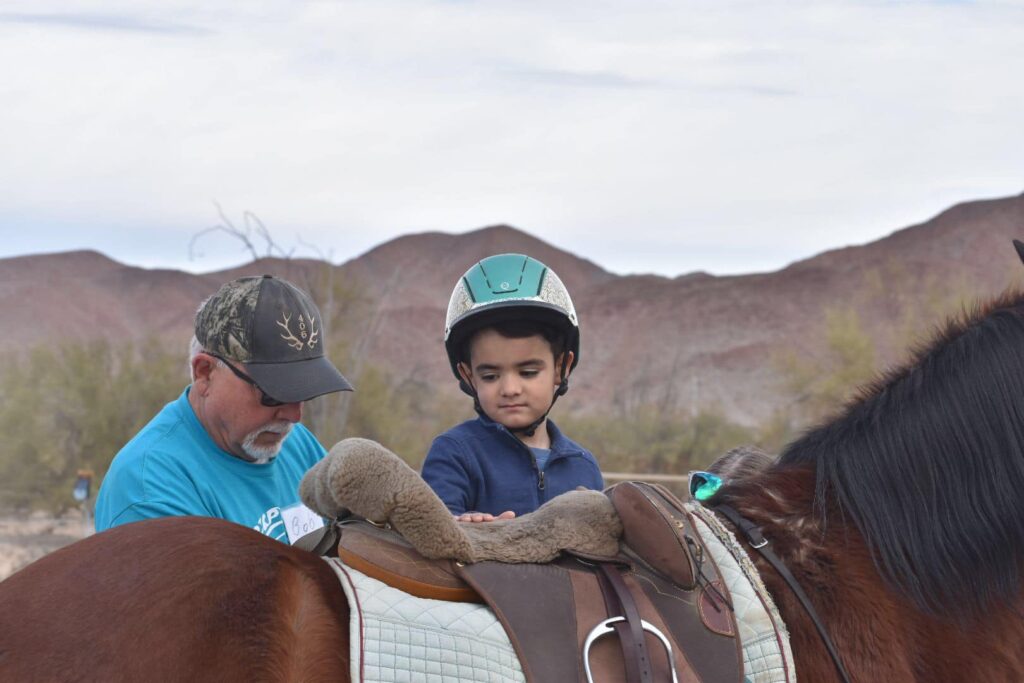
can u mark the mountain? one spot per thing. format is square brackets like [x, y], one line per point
[690, 342]
[46, 299]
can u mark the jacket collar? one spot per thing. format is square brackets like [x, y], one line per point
[559, 443]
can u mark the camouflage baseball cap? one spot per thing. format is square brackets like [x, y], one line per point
[274, 329]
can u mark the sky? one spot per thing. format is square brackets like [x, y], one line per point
[647, 136]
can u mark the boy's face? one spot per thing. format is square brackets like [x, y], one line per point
[515, 379]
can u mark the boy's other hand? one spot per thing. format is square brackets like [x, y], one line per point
[483, 516]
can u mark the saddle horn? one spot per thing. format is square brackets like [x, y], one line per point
[1019, 246]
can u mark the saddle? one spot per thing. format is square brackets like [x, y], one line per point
[652, 606]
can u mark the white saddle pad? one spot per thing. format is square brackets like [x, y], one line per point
[405, 639]
[767, 657]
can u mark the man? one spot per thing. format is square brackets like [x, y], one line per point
[231, 445]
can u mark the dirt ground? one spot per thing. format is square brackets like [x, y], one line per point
[27, 538]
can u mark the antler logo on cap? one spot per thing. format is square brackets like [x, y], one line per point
[310, 337]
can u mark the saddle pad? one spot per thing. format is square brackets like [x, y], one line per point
[399, 638]
[766, 653]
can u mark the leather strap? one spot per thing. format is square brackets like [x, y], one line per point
[631, 634]
[759, 543]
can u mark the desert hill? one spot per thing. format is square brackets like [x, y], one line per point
[689, 342]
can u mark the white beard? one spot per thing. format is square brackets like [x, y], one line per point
[259, 454]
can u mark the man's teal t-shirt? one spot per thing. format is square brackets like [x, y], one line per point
[172, 467]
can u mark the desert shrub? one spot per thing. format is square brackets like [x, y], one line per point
[654, 441]
[72, 407]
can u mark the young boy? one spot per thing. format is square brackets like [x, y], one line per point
[512, 339]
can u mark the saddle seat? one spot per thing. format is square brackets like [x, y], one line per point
[383, 554]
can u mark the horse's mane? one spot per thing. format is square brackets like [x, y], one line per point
[928, 462]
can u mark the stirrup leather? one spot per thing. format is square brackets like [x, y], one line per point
[605, 627]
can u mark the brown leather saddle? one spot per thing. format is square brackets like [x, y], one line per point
[658, 611]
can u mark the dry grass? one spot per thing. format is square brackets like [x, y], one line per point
[26, 538]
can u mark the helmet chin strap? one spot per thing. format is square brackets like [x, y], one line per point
[531, 428]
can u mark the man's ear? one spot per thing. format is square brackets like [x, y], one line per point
[466, 373]
[202, 365]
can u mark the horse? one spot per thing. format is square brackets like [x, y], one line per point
[902, 518]
[174, 599]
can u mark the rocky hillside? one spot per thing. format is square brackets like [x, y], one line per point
[691, 341]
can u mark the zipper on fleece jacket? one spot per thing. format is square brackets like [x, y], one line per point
[533, 458]
[541, 483]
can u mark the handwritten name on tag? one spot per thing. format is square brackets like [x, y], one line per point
[299, 520]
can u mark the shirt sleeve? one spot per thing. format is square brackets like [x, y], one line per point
[445, 471]
[596, 479]
[146, 490]
[150, 509]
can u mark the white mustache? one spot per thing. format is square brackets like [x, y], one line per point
[264, 454]
[277, 427]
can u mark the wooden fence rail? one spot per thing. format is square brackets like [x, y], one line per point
[640, 476]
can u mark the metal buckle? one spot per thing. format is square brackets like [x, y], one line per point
[605, 628]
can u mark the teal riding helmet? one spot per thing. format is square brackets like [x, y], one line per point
[509, 287]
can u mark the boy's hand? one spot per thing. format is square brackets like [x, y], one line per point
[483, 516]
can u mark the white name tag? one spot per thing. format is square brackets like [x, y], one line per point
[299, 520]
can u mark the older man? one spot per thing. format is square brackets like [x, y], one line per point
[231, 445]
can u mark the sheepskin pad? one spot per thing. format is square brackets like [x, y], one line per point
[362, 477]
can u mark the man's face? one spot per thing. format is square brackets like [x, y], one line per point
[230, 410]
[515, 379]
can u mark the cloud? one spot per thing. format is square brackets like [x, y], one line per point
[101, 22]
[575, 79]
[670, 126]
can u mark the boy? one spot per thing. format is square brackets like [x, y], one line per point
[512, 339]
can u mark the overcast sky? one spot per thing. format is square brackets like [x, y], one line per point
[658, 137]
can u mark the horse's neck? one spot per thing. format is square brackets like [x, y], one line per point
[781, 499]
[831, 563]
[834, 566]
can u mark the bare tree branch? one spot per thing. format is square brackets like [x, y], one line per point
[327, 256]
[260, 229]
[252, 227]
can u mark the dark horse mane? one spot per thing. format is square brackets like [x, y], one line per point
[928, 463]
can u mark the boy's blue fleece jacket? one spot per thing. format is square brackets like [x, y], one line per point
[479, 466]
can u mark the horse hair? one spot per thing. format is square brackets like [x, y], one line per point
[741, 463]
[928, 462]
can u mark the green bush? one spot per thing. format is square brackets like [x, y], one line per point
[73, 407]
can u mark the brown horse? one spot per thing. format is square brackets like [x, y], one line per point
[903, 519]
[178, 599]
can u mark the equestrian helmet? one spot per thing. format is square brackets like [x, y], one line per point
[508, 287]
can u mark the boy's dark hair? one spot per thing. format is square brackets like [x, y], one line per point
[518, 329]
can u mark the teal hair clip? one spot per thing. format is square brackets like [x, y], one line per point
[703, 485]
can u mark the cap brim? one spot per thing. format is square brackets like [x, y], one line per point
[299, 380]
